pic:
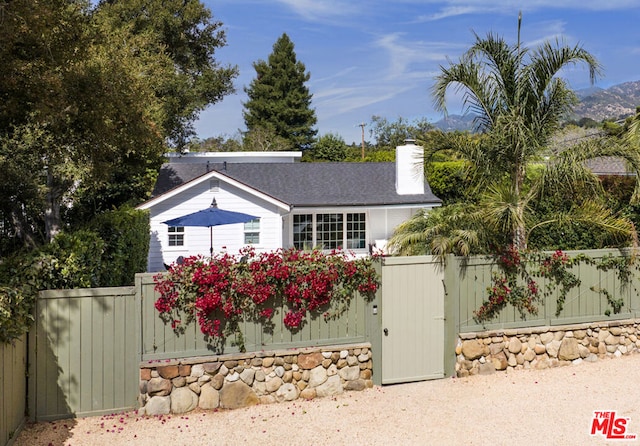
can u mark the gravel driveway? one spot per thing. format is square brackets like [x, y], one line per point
[542, 407]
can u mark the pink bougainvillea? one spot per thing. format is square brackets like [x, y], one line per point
[511, 285]
[220, 291]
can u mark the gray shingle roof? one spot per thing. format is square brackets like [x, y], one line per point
[608, 165]
[305, 184]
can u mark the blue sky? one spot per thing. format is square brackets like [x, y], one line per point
[374, 57]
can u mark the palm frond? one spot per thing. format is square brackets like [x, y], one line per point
[632, 136]
[503, 208]
[440, 231]
[465, 77]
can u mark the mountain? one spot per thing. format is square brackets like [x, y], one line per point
[455, 122]
[615, 102]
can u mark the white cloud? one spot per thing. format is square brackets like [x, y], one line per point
[450, 11]
[404, 56]
[394, 66]
[452, 8]
[318, 10]
[339, 74]
[339, 101]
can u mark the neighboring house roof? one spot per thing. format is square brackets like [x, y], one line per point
[304, 184]
[608, 165]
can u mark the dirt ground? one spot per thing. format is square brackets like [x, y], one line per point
[542, 407]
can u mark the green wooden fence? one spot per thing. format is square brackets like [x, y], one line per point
[83, 353]
[13, 387]
[160, 342]
[86, 347]
[467, 281]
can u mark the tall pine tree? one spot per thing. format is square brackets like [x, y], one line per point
[279, 102]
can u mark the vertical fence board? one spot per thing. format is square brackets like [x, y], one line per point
[97, 364]
[86, 369]
[120, 326]
[75, 357]
[50, 403]
[13, 383]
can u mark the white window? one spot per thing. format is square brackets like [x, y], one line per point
[252, 232]
[329, 231]
[176, 235]
[303, 231]
[356, 231]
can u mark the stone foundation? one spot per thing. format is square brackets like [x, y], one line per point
[238, 380]
[543, 347]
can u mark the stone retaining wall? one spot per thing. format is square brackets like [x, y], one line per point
[543, 347]
[238, 380]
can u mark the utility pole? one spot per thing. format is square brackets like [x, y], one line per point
[361, 125]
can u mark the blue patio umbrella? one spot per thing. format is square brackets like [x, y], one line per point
[210, 217]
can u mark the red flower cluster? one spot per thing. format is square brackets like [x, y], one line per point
[509, 288]
[220, 291]
[510, 260]
[551, 265]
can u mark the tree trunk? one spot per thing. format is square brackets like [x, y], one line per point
[519, 234]
[21, 232]
[52, 211]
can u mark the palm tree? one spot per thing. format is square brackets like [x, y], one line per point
[519, 101]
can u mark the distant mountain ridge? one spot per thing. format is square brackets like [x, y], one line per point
[616, 102]
[452, 123]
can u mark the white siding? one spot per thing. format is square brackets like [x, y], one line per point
[197, 240]
[385, 221]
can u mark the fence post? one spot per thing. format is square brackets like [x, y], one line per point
[373, 321]
[139, 316]
[451, 313]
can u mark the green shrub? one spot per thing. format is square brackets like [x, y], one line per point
[126, 236]
[448, 181]
[15, 314]
[69, 261]
[107, 253]
[75, 261]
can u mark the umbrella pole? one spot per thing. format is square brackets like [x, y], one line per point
[210, 241]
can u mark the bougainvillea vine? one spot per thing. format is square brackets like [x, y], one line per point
[220, 291]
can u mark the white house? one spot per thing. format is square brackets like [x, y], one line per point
[304, 205]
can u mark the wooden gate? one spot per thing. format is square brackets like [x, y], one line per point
[84, 353]
[413, 319]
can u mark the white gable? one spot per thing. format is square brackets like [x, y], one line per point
[206, 179]
[197, 240]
